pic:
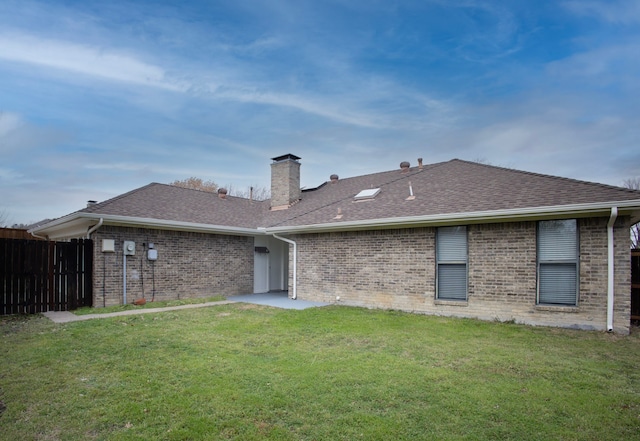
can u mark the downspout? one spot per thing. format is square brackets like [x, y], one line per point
[94, 228]
[610, 249]
[294, 296]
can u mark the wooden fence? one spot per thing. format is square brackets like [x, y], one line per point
[38, 276]
[16, 233]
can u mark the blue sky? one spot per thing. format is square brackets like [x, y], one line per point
[98, 98]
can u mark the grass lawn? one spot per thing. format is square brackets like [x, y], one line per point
[335, 373]
[148, 305]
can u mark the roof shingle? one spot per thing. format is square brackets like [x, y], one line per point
[450, 187]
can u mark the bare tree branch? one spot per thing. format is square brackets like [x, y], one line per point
[634, 184]
[4, 219]
[196, 184]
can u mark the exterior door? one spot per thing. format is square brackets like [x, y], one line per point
[261, 272]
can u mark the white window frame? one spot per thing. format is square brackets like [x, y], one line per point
[452, 256]
[558, 256]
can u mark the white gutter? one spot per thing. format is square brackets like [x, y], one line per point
[611, 276]
[514, 214]
[94, 228]
[77, 218]
[294, 295]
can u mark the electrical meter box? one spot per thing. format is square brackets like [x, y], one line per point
[152, 254]
[129, 248]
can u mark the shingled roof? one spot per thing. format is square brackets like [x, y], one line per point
[452, 191]
[447, 188]
[168, 202]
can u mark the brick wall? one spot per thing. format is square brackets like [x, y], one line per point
[395, 269]
[285, 182]
[188, 265]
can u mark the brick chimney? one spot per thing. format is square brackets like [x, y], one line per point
[285, 181]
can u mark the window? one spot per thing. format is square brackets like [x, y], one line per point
[558, 262]
[451, 258]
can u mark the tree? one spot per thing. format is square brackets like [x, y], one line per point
[256, 193]
[196, 184]
[4, 219]
[634, 184]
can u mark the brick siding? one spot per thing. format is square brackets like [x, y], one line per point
[188, 265]
[395, 269]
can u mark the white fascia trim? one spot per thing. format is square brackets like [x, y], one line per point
[494, 216]
[130, 221]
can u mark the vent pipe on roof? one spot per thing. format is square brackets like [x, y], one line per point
[420, 166]
[334, 178]
[404, 166]
[222, 193]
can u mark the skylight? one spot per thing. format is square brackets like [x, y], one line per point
[367, 194]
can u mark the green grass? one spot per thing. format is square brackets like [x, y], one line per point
[335, 373]
[148, 305]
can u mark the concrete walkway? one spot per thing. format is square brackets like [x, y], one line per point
[277, 300]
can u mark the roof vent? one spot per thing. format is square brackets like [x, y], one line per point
[420, 166]
[334, 178]
[368, 194]
[222, 193]
[90, 203]
[404, 165]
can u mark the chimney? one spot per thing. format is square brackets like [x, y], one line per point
[334, 178]
[222, 193]
[285, 181]
[404, 166]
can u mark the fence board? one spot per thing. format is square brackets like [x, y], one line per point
[38, 276]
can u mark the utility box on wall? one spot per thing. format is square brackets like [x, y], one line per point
[152, 254]
[129, 248]
[108, 246]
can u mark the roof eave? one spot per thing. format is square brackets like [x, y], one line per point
[77, 224]
[631, 208]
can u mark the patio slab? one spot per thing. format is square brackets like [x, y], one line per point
[277, 300]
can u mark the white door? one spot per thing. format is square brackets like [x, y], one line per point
[261, 272]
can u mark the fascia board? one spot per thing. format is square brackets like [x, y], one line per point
[509, 215]
[68, 224]
[179, 226]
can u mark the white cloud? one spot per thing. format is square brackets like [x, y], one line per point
[17, 136]
[604, 60]
[84, 59]
[8, 123]
[612, 11]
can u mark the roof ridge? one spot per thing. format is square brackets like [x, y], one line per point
[430, 166]
[204, 191]
[103, 204]
[543, 175]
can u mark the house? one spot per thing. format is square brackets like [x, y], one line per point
[454, 238]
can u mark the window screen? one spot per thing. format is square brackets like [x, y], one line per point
[451, 256]
[558, 262]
